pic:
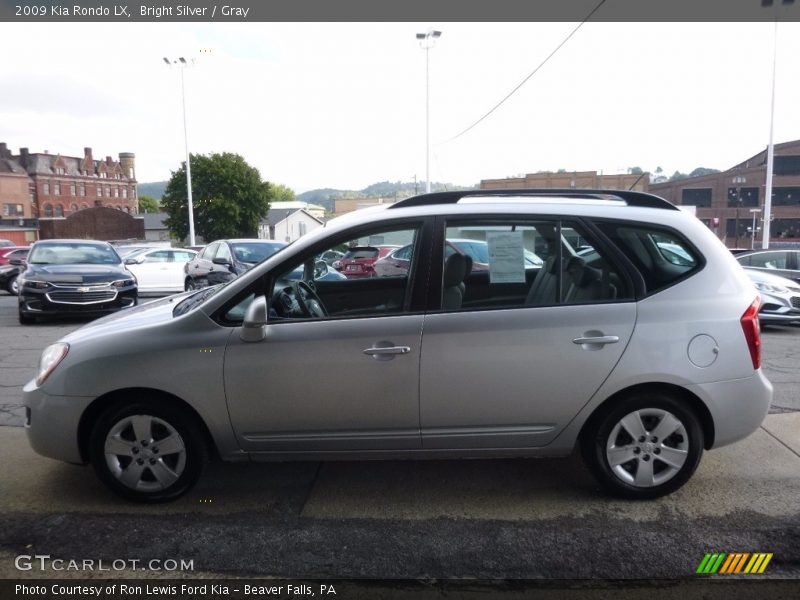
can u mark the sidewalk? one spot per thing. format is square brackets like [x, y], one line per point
[760, 474]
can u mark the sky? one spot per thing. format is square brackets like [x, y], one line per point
[342, 105]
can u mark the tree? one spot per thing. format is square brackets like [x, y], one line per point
[677, 175]
[228, 196]
[700, 171]
[635, 171]
[281, 193]
[148, 204]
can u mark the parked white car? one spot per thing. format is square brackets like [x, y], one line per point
[159, 270]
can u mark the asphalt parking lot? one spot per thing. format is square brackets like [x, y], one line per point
[504, 519]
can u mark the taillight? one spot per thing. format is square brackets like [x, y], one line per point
[752, 332]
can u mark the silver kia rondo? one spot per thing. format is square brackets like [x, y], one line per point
[634, 339]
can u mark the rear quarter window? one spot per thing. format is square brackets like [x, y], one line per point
[662, 256]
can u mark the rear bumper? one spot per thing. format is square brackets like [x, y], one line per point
[737, 407]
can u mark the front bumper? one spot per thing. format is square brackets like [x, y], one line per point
[67, 301]
[52, 423]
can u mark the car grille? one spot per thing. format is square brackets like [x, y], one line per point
[82, 297]
[795, 301]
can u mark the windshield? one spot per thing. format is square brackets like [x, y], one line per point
[73, 253]
[254, 252]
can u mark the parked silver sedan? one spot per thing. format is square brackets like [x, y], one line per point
[640, 357]
[780, 297]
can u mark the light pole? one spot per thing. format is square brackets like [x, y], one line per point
[182, 63]
[426, 41]
[738, 181]
[754, 212]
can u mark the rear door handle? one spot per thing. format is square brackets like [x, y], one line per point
[389, 350]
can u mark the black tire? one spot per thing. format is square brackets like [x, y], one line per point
[139, 470]
[11, 286]
[642, 472]
[26, 319]
[189, 285]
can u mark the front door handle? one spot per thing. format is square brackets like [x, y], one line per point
[388, 350]
[595, 342]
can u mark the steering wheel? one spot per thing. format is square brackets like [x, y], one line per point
[307, 299]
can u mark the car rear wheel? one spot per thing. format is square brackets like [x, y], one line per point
[646, 446]
[189, 285]
[147, 452]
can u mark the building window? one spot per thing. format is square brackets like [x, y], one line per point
[786, 196]
[57, 189]
[12, 210]
[59, 210]
[82, 189]
[48, 210]
[116, 192]
[749, 197]
[124, 192]
[785, 228]
[73, 208]
[84, 205]
[108, 192]
[133, 192]
[71, 189]
[46, 188]
[786, 165]
[700, 197]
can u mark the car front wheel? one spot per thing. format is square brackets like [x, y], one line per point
[147, 452]
[12, 286]
[648, 445]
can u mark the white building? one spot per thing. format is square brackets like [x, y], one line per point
[287, 224]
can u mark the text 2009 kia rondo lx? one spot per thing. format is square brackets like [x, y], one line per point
[636, 340]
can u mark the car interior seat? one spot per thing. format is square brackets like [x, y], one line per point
[456, 269]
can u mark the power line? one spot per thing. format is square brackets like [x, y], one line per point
[524, 81]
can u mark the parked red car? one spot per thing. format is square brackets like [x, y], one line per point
[359, 261]
[9, 252]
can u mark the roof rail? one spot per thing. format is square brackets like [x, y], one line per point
[630, 197]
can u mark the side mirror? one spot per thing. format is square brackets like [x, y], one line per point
[254, 326]
[133, 261]
[222, 261]
[17, 262]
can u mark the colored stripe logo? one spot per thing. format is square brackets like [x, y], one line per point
[734, 563]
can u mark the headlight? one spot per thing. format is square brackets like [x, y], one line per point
[34, 284]
[120, 283]
[771, 289]
[50, 359]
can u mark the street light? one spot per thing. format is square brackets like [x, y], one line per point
[182, 63]
[426, 41]
[754, 212]
[738, 181]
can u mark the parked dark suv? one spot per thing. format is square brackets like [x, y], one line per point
[74, 277]
[224, 260]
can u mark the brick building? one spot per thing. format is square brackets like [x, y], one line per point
[724, 200]
[570, 179]
[61, 185]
